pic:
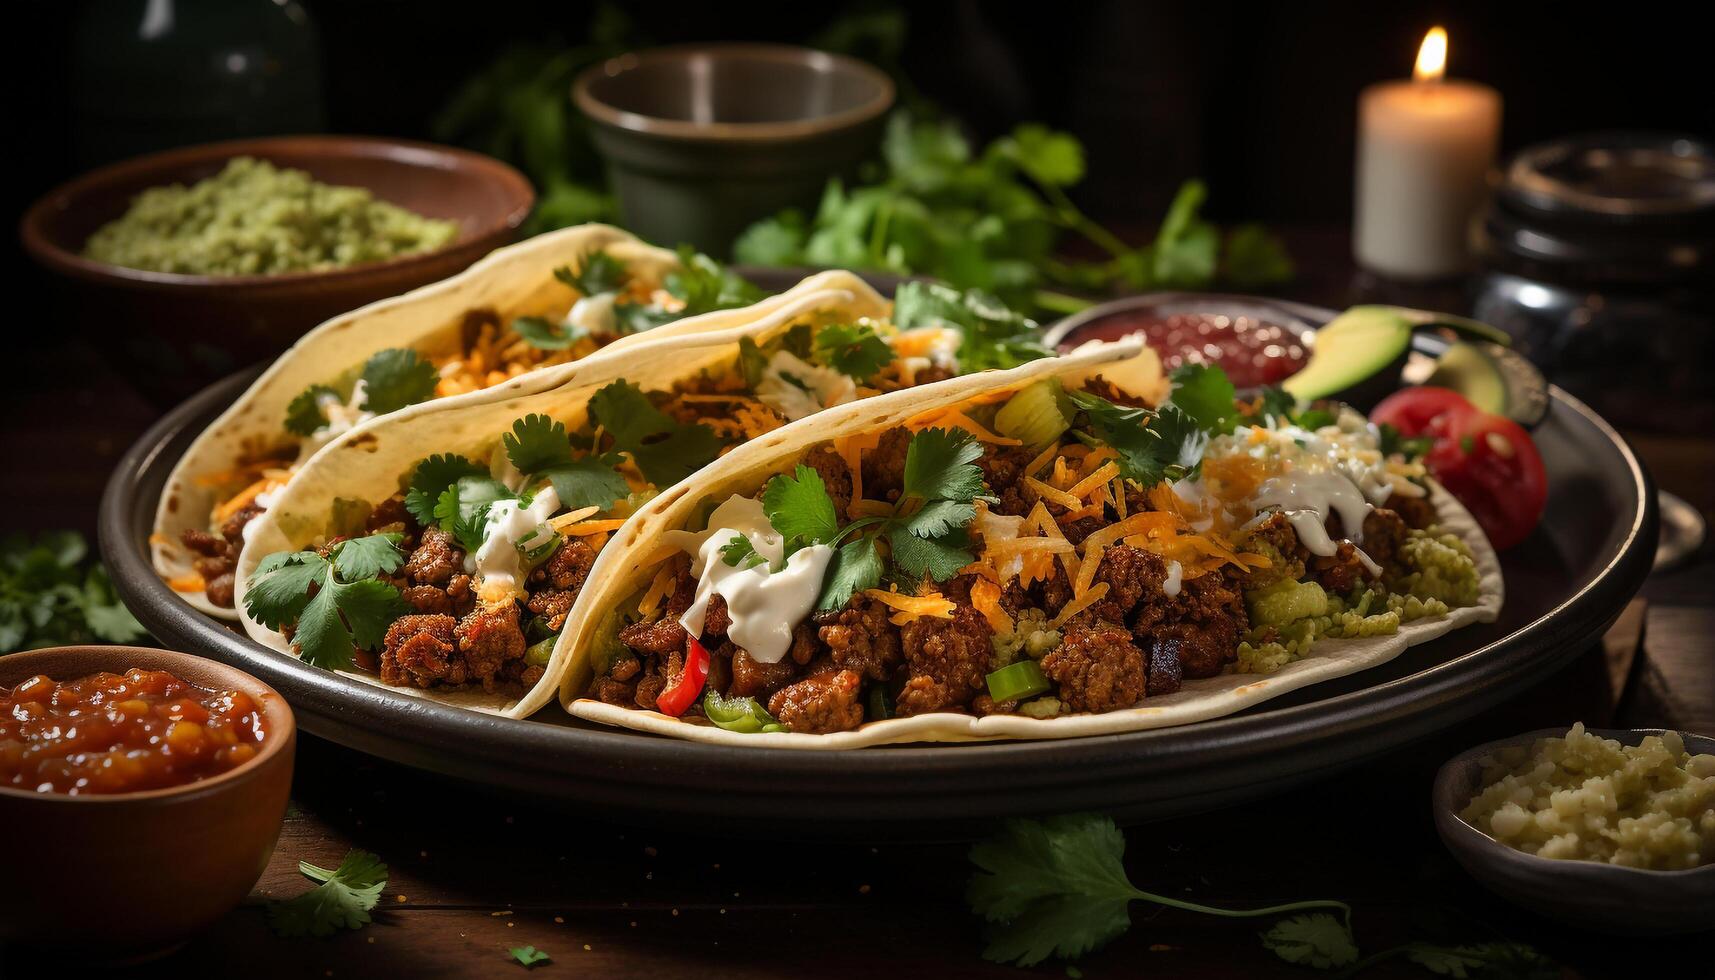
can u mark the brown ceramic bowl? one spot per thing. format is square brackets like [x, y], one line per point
[124, 875]
[701, 140]
[176, 333]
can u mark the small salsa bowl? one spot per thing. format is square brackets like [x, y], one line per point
[1591, 895]
[125, 876]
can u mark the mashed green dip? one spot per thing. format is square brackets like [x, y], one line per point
[253, 218]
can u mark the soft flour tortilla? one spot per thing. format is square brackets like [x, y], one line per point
[371, 462]
[1197, 700]
[510, 282]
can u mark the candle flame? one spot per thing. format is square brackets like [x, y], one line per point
[1432, 56]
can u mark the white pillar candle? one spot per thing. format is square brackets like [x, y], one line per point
[1424, 152]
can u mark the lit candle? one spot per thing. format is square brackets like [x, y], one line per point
[1424, 152]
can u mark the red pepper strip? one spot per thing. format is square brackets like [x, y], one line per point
[675, 699]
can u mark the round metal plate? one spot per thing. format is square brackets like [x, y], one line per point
[1564, 586]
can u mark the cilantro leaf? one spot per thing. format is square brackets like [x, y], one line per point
[1152, 446]
[939, 465]
[1205, 394]
[1275, 403]
[1055, 886]
[305, 414]
[1497, 959]
[343, 900]
[752, 362]
[664, 450]
[1184, 252]
[462, 509]
[529, 955]
[778, 240]
[992, 335]
[588, 482]
[739, 551]
[367, 557]
[49, 597]
[938, 558]
[544, 334]
[800, 509]
[939, 518]
[395, 378]
[1393, 442]
[598, 272]
[325, 638]
[856, 567]
[853, 349]
[1319, 940]
[536, 443]
[1049, 157]
[279, 588]
[431, 478]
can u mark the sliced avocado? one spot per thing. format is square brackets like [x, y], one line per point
[1355, 357]
[1495, 379]
[1461, 325]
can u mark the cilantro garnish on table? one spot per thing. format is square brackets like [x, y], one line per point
[52, 595]
[529, 955]
[925, 534]
[350, 608]
[665, 451]
[343, 900]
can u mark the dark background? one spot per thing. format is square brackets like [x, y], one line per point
[1259, 99]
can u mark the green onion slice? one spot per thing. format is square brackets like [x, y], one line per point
[1020, 680]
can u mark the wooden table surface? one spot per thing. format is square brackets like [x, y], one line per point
[473, 874]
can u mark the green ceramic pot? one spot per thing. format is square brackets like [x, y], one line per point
[702, 140]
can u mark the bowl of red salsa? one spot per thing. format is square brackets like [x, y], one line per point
[142, 792]
[1257, 344]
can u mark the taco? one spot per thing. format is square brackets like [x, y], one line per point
[1048, 552]
[523, 311]
[444, 548]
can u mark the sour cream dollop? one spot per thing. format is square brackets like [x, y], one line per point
[764, 601]
[816, 387]
[500, 561]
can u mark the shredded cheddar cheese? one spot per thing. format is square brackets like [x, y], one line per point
[910, 607]
[659, 588]
[985, 595]
[1080, 603]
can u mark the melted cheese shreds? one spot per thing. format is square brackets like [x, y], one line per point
[910, 607]
[240, 499]
[1080, 603]
[1052, 494]
[959, 420]
[189, 582]
[1099, 478]
[659, 588]
[985, 595]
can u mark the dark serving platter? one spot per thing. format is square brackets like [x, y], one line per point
[1564, 585]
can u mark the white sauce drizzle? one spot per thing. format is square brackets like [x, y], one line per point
[826, 387]
[764, 604]
[500, 562]
[342, 417]
[594, 314]
[1175, 577]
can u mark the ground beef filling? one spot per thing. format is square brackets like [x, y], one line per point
[453, 638]
[1137, 642]
[217, 555]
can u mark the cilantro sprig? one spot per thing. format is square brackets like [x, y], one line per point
[853, 349]
[665, 450]
[541, 448]
[52, 595]
[1058, 887]
[336, 602]
[993, 336]
[926, 535]
[392, 379]
[342, 900]
[1165, 444]
[597, 272]
[529, 956]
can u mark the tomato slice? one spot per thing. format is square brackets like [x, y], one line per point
[674, 700]
[1492, 466]
[1414, 410]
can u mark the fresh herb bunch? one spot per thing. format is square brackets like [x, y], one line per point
[343, 900]
[51, 596]
[995, 219]
[1058, 887]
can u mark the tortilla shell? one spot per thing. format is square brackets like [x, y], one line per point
[370, 462]
[514, 281]
[1197, 700]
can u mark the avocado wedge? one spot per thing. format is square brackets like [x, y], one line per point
[1493, 378]
[1356, 357]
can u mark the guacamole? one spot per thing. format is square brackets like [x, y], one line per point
[254, 218]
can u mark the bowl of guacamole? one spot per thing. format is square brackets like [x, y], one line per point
[192, 263]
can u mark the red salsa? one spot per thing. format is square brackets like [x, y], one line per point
[119, 733]
[1253, 352]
